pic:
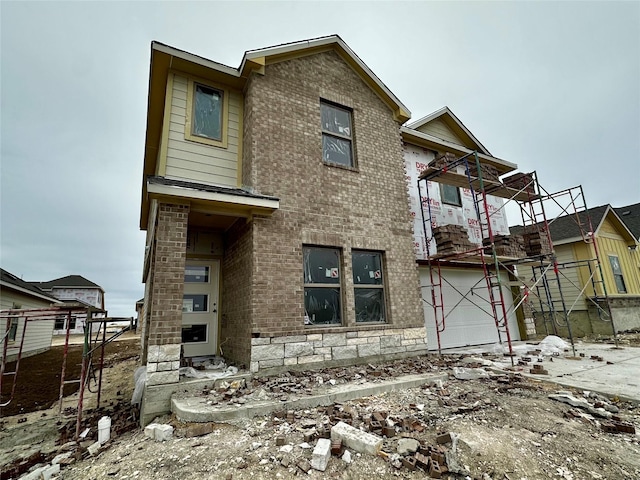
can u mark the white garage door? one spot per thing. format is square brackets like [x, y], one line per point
[468, 315]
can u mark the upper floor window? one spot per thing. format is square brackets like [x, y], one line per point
[207, 112]
[337, 134]
[450, 195]
[617, 273]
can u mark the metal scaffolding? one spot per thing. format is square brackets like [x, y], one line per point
[548, 274]
[95, 341]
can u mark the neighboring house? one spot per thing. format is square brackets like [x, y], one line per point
[75, 289]
[16, 294]
[588, 269]
[276, 209]
[630, 215]
[463, 284]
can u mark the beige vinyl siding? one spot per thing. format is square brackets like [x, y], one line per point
[439, 129]
[192, 161]
[38, 333]
[569, 281]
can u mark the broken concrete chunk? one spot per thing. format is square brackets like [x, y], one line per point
[355, 439]
[346, 457]
[570, 400]
[463, 373]
[407, 445]
[321, 454]
[94, 448]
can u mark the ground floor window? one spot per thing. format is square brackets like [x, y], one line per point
[322, 294]
[617, 273]
[368, 284]
[59, 323]
[13, 329]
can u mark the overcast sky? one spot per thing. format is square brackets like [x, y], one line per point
[551, 86]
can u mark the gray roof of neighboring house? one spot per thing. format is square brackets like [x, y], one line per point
[563, 228]
[10, 279]
[576, 225]
[70, 281]
[567, 226]
[630, 215]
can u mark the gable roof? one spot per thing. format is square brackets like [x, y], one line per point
[570, 228]
[9, 280]
[630, 215]
[70, 281]
[453, 122]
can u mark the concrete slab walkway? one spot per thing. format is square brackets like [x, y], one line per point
[620, 377]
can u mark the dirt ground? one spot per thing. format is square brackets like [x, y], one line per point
[44, 371]
[504, 427]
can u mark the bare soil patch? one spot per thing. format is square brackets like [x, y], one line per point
[38, 382]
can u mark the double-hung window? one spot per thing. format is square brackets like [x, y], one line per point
[337, 134]
[321, 286]
[368, 284]
[617, 273]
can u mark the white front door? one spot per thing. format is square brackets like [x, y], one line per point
[200, 308]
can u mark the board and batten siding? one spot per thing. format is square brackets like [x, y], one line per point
[38, 334]
[610, 242]
[198, 162]
[439, 129]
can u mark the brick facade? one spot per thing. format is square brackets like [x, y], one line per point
[164, 338]
[235, 324]
[365, 207]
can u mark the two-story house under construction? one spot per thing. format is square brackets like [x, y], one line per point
[277, 214]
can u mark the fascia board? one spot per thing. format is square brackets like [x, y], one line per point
[25, 291]
[190, 57]
[326, 41]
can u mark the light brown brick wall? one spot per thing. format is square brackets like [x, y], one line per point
[235, 334]
[168, 274]
[320, 204]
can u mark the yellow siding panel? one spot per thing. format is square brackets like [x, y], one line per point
[195, 161]
[628, 264]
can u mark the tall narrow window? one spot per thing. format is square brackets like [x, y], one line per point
[337, 135]
[368, 284]
[207, 112]
[450, 195]
[617, 274]
[321, 286]
[13, 329]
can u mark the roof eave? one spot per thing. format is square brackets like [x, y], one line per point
[425, 140]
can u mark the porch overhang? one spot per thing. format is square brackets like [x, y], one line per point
[213, 199]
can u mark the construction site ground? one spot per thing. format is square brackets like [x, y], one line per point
[502, 421]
